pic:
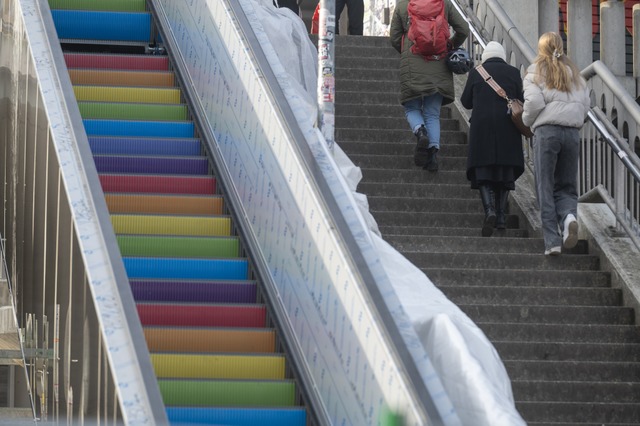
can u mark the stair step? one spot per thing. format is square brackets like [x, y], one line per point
[219, 366]
[545, 296]
[497, 311]
[366, 63]
[440, 244]
[210, 340]
[165, 204]
[170, 246]
[384, 135]
[507, 261]
[404, 148]
[424, 205]
[108, 145]
[578, 333]
[81, 76]
[151, 165]
[157, 184]
[388, 86]
[419, 190]
[416, 175]
[102, 26]
[362, 110]
[201, 315]
[609, 414]
[218, 291]
[344, 40]
[370, 51]
[154, 95]
[202, 226]
[238, 416]
[437, 219]
[595, 392]
[516, 278]
[127, 128]
[573, 370]
[388, 230]
[111, 5]
[405, 162]
[568, 351]
[187, 269]
[387, 123]
[227, 393]
[116, 62]
[380, 74]
[132, 111]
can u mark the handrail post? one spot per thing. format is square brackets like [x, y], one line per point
[636, 40]
[619, 188]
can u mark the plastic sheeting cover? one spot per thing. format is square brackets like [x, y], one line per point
[468, 365]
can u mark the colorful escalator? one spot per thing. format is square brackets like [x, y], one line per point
[213, 350]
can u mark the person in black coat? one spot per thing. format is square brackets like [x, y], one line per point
[495, 158]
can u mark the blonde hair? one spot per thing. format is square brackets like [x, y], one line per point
[554, 68]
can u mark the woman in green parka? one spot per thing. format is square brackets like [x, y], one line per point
[425, 85]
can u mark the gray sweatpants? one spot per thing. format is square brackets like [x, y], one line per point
[556, 152]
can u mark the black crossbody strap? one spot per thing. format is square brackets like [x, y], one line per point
[491, 82]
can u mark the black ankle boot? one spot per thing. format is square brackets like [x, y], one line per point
[502, 197]
[420, 155]
[489, 211]
[432, 159]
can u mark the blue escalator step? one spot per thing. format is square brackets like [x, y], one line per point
[158, 129]
[190, 269]
[107, 26]
[237, 416]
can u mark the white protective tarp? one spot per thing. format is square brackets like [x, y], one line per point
[468, 365]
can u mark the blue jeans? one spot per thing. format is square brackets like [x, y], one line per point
[556, 152]
[425, 111]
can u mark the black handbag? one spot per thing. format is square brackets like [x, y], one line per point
[515, 107]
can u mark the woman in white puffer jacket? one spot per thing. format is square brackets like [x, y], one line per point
[556, 105]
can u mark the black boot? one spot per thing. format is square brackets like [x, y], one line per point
[432, 159]
[502, 197]
[489, 210]
[420, 155]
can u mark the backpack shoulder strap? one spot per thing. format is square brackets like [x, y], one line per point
[491, 82]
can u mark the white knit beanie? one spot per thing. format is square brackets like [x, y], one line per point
[494, 50]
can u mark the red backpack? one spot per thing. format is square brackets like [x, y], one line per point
[428, 28]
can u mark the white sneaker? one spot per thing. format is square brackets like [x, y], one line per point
[570, 232]
[553, 251]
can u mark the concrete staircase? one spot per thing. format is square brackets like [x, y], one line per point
[571, 349]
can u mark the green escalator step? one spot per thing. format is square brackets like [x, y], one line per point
[194, 247]
[132, 111]
[103, 5]
[228, 393]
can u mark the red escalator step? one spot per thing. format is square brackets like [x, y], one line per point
[202, 315]
[117, 62]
